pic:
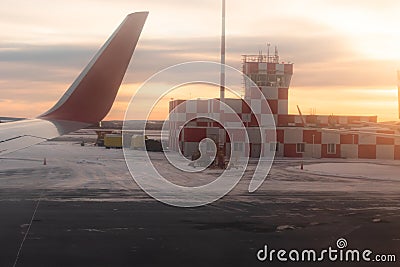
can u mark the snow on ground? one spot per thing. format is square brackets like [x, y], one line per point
[337, 175]
[69, 166]
[72, 168]
[359, 170]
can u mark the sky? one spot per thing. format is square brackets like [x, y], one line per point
[345, 53]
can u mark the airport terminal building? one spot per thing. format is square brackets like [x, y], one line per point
[298, 136]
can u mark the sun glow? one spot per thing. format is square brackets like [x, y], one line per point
[345, 53]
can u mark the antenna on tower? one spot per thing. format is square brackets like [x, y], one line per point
[276, 55]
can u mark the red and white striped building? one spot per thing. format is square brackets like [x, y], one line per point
[308, 136]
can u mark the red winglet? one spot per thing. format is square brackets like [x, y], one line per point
[92, 94]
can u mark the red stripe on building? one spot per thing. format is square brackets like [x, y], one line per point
[308, 137]
[273, 105]
[174, 104]
[202, 124]
[252, 67]
[253, 121]
[265, 105]
[193, 134]
[284, 120]
[271, 67]
[397, 152]
[245, 107]
[347, 139]
[386, 131]
[367, 151]
[280, 136]
[325, 154]
[384, 140]
[289, 150]
[288, 68]
[283, 93]
[227, 138]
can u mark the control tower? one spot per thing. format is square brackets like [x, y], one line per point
[272, 77]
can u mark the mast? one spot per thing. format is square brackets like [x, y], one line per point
[222, 78]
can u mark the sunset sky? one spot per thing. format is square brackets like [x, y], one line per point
[345, 53]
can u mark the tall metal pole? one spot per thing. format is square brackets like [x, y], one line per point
[222, 80]
[398, 91]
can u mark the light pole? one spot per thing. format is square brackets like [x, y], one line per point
[222, 78]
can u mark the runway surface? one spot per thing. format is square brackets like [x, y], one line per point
[84, 209]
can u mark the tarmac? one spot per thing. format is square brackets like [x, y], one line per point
[83, 209]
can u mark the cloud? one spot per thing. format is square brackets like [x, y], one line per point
[319, 59]
[46, 55]
[38, 65]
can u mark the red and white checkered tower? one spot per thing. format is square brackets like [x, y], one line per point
[272, 78]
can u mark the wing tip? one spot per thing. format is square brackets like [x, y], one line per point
[84, 94]
[144, 13]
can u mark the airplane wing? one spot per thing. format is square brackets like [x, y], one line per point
[88, 99]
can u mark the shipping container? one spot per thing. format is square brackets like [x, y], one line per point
[113, 141]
